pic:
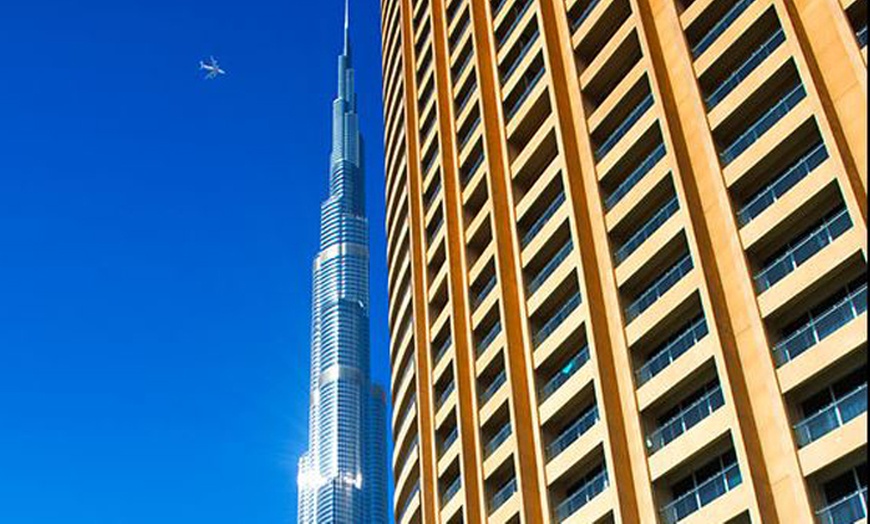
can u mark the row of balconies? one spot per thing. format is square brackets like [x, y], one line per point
[791, 216]
[391, 50]
[550, 282]
[461, 53]
[844, 497]
[792, 254]
[479, 239]
[546, 245]
[408, 485]
[789, 211]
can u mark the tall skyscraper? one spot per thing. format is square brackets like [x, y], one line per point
[343, 476]
[627, 260]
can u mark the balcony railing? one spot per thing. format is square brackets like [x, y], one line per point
[513, 25]
[424, 34]
[412, 402]
[466, 96]
[530, 84]
[820, 326]
[626, 124]
[426, 95]
[861, 36]
[703, 494]
[635, 176]
[577, 22]
[502, 495]
[773, 191]
[487, 289]
[803, 249]
[459, 31]
[518, 60]
[408, 501]
[442, 398]
[567, 371]
[452, 8]
[672, 350]
[719, 27]
[429, 159]
[549, 268]
[442, 350]
[497, 440]
[449, 440]
[493, 387]
[496, 9]
[451, 491]
[573, 432]
[405, 464]
[847, 510]
[405, 329]
[542, 220]
[403, 457]
[488, 338]
[464, 139]
[433, 193]
[581, 496]
[685, 419]
[647, 230]
[423, 68]
[427, 128]
[406, 375]
[763, 123]
[832, 417]
[556, 320]
[435, 230]
[743, 70]
[658, 288]
[467, 175]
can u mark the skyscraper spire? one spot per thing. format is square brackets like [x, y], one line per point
[347, 28]
[343, 474]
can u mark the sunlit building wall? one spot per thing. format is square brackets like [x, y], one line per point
[627, 260]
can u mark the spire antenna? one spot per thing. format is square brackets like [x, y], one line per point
[347, 27]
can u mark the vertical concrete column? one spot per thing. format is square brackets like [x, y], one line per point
[840, 74]
[467, 419]
[417, 233]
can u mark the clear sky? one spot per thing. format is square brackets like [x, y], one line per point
[156, 238]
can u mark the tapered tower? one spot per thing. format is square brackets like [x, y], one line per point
[342, 476]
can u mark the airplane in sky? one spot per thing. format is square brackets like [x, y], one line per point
[212, 67]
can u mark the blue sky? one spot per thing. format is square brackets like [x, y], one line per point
[157, 233]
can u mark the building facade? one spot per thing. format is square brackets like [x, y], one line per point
[343, 475]
[627, 254]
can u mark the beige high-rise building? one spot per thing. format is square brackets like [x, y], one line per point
[627, 253]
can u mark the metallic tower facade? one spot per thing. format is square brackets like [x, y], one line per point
[342, 476]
